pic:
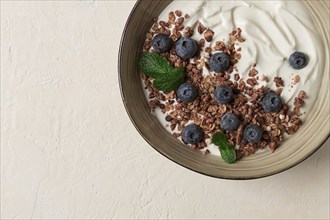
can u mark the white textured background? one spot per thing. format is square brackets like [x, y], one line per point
[68, 149]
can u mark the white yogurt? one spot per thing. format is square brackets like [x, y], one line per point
[273, 30]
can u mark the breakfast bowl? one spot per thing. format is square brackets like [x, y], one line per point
[295, 148]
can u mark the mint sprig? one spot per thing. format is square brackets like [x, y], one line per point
[227, 151]
[167, 78]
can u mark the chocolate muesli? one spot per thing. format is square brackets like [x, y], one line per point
[206, 100]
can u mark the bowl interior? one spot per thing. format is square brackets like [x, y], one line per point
[294, 150]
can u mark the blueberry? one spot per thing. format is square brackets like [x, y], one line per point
[223, 94]
[229, 122]
[219, 62]
[187, 92]
[186, 48]
[162, 43]
[192, 134]
[252, 133]
[271, 103]
[298, 60]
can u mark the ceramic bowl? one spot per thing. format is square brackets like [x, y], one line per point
[295, 149]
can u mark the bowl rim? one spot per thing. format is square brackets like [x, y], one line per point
[120, 52]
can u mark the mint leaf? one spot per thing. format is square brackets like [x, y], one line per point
[228, 154]
[154, 65]
[227, 151]
[167, 78]
[170, 81]
[219, 139]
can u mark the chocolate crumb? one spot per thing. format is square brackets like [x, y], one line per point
[219, 46]
[201, 28]
[296, 79]
[188, 32]
[252, 82]
[178, 13]
[236, 77]
[154, 103]
[208, 35]
[264, 78]
[278, 81]
[253, 72]
[302, 94]
[171, 17]
[298, 102]
[272, 146]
